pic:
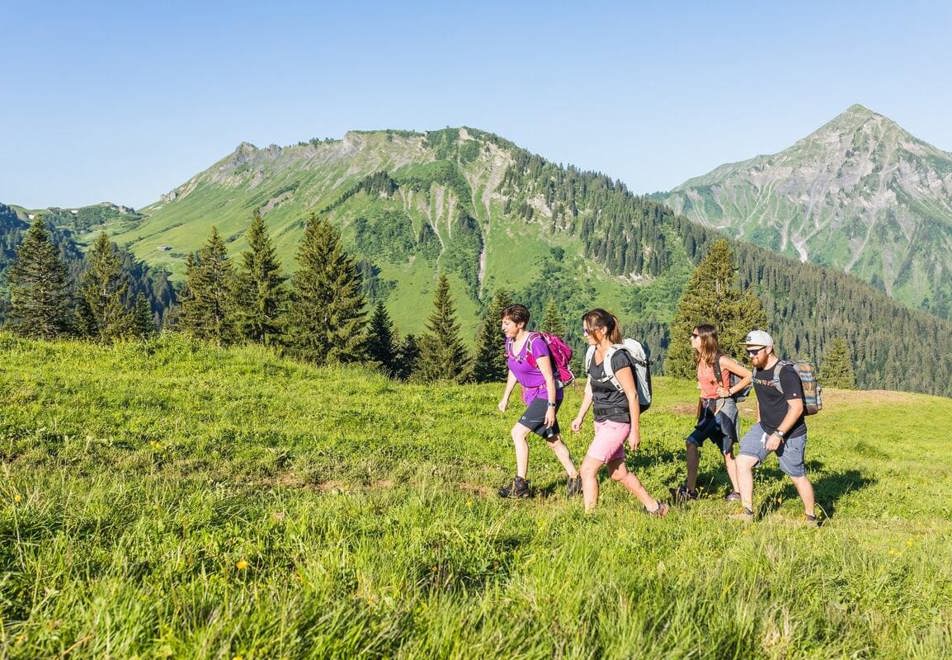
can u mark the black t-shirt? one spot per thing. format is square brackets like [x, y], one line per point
[773, 404]
[610, 404]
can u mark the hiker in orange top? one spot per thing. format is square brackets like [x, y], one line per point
[717, 416]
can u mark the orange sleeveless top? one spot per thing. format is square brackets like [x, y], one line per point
[706, 381]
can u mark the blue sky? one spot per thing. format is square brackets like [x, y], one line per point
[111, 101]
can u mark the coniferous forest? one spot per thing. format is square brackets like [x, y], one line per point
[632, 238]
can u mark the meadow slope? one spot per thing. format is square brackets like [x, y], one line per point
[173, 499]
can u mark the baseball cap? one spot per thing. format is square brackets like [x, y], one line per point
[758, 338]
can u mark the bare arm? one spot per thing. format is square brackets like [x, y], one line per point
[794, 410]
[730, 366]
[544, 364]
[583, 408]
[510, 384]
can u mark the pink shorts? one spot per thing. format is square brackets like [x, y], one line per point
[609, 442]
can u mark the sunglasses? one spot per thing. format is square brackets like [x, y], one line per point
[754, 351]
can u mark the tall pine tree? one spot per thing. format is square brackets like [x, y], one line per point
[381, 343]
[143, 321]
[208, 302]
[326, 318]
[837, 367]
[262, 292]
[712, 296]
[105, 287]
[442, 353]
[41, 302]
[551, 320]
[490, 364]
[407, 358]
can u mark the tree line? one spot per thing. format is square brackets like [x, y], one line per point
[319, 313]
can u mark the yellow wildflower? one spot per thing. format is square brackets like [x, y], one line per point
[241, 565]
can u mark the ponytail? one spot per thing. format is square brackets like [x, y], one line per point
[606, 321]
[614, 333]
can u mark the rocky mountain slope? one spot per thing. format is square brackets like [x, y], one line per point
[860, 194]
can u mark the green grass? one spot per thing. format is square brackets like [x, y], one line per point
[172, 499]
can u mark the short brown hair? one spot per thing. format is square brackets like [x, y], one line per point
[516, 314]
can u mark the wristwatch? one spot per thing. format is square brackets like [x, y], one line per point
[779, 434]
[551, 404]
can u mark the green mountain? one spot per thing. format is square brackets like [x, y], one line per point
[493, 215]
[860, 195]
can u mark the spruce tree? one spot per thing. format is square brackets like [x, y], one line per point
[326, 317]
[837, 367]
[407, 358]
[442, 353]
[712, 296]
[490, 364]
[262, 292]
[381, 344]
[41, 302]
[551, 321]
[208, 301]
[104, 289]
[143, 321]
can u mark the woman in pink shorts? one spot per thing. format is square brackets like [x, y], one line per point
[616, 414]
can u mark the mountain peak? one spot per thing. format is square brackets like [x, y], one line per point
[859, 110]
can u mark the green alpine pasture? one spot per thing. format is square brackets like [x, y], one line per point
[173, 499]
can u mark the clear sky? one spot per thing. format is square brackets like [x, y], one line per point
[121, 102]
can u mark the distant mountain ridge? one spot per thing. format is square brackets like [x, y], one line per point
[492, 215]
[860, 194]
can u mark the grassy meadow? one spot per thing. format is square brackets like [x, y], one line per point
[169, 499]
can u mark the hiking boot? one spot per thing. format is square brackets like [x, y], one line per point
[518, 487]
[681, 494]
[574, 486]
[811, 521]
[732, 497]
[660, 512]
[746, 516]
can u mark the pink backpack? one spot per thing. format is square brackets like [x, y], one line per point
[561, 356]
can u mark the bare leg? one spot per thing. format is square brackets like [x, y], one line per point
[731, 466]
[805, 490]
[562, 453]
[693, 460]
[589, 472]
[620, 473]
[519, 434]
[745, 479]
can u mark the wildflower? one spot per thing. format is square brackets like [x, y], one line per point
[241, 565]
[17, 498]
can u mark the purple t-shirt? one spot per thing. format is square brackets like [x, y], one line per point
[529, 376]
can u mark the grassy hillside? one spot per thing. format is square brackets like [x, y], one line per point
[170, 499]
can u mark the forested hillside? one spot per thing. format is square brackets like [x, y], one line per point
[495, 216]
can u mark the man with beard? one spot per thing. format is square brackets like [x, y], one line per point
[780, 427]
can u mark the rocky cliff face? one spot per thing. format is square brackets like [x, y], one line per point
[859, 194]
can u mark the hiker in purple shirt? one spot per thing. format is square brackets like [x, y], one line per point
[530, 365]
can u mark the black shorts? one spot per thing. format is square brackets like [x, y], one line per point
[534, 419]
[717, 428]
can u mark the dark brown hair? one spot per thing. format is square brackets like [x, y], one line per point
[516, 313]
[709, 346]
[606, 321]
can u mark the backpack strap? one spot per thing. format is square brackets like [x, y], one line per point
[718, 374]
[776, 376]
[589, 356]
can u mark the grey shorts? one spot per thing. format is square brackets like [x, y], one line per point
[534, 419]
[790, 452]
